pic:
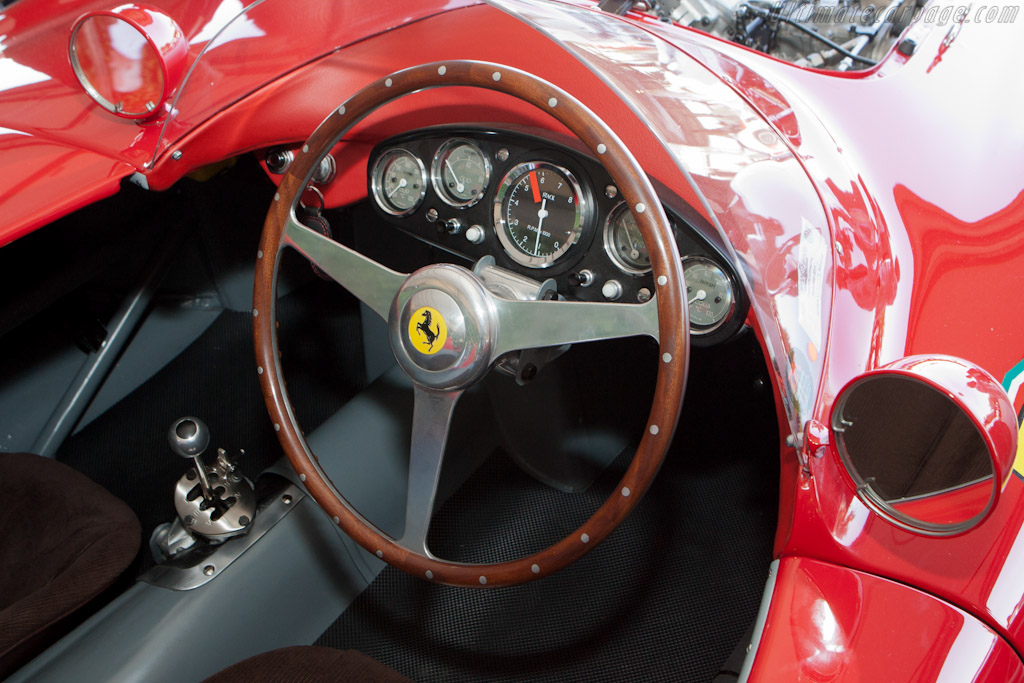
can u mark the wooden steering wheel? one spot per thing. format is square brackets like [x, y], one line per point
[480, 327]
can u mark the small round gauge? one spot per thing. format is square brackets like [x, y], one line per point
[539, 213]
[709, 294]
[399, 181]
[460, 172]
[624, 243]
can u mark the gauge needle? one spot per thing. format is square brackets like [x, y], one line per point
[534, 186]
[458, 184]
[542, 214]
[699, 296]
[398, 187]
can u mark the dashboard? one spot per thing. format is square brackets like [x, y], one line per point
[544, 210]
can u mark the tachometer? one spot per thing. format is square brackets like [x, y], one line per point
[539, 213]
[709, 294]
[399, 181]
[460, 172]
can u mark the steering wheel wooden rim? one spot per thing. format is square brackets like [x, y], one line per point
[672, 319]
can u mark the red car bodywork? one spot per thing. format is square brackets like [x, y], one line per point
[917, 164]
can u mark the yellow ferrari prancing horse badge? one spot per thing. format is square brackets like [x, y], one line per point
[427, 330]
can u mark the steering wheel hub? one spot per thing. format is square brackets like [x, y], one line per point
[442, 326]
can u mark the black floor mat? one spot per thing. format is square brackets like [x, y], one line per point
[126, 450]
[666, 597]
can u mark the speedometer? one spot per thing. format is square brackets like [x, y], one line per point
[539, 213]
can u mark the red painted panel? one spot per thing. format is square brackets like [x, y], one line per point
[41, 181]
[829, 623]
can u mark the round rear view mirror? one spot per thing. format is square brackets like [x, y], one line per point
[928, 442]
[129, 59]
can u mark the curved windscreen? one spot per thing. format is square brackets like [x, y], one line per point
[245, 44]
[753, 190]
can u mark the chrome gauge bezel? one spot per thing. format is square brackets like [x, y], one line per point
[376, 185]
[609, 242]
[437, 173]
[513, 175]
[699, 330]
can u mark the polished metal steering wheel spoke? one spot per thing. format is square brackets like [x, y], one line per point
[369, 281]
[533, 324]
[431, 420]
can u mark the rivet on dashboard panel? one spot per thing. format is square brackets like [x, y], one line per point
[611, 192]
[431, 215]
[644, 295]
[209, 570]
[176, 155]
[501, 154]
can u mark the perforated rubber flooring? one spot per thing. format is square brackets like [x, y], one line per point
[666, 598]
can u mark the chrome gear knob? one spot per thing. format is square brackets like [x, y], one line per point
[189, 437]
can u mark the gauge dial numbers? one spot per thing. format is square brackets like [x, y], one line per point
[709, 294]
[539, 213]
[460, 172]
[623, 242]
[399, 182]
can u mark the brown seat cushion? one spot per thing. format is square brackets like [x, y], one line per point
[63, 540]
[308, 664]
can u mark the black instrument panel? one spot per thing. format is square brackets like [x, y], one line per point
[544, 210]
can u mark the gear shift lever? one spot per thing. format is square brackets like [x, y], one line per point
[189, 438]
